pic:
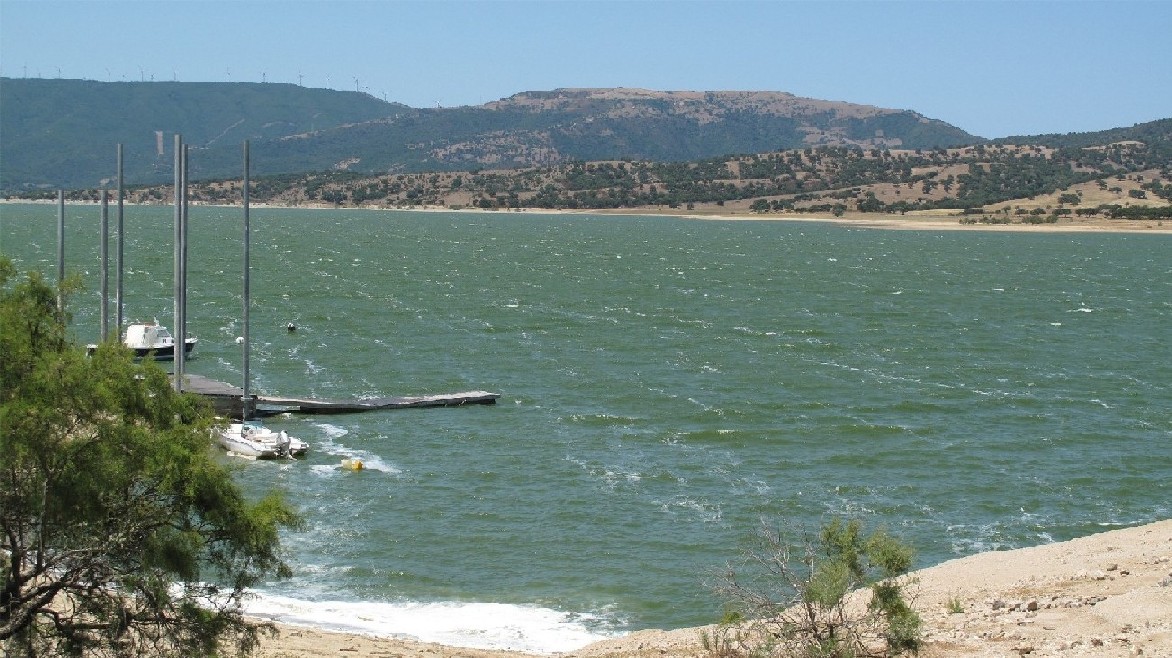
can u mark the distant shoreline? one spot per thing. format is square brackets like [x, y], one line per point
[913, 223]
[917, 222]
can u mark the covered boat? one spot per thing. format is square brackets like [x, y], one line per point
[151, 339]
[147, 339]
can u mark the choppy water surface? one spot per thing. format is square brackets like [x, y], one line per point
[665, 385]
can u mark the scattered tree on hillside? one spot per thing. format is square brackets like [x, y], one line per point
[802, 179]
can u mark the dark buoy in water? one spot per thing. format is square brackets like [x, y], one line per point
[291, 327]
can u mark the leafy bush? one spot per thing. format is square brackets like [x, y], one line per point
[805, 597]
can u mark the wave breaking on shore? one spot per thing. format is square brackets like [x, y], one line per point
[1108, 594]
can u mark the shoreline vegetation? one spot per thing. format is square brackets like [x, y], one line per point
[1107, 594]
[924, 221]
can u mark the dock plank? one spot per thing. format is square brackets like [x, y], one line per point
[226, 399]
[314, 406]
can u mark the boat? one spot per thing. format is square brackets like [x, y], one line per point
[253, 440]
[147, 339]
[151, 339]
[239, 441]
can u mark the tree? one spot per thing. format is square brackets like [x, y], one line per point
[794, 597]
[120, 532]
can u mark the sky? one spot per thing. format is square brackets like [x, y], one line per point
[993, 68]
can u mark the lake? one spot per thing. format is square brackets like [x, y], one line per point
[666, 384]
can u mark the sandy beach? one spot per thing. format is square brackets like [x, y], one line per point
[926, 221]
[1108, 594]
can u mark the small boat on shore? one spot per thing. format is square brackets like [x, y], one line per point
[151, 339]
[251, 439]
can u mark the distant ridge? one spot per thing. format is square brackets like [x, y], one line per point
[61, 133]
[705, 106]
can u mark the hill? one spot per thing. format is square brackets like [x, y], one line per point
[1005, 183]
[61, 133]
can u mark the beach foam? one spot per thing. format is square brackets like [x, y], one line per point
[474, 625]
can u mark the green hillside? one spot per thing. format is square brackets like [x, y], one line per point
[62, 133]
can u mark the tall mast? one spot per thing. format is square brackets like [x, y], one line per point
[104, 243]
[244, 400]
[118, 303]
[178, 236]
[60, 248]
[180, 338]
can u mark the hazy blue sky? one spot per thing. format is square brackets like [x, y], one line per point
[993, 68]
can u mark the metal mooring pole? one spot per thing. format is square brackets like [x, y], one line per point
[60, 248]
[178, 232]
[105, 250]
[181, 325]
[245, 399]
[118, 299]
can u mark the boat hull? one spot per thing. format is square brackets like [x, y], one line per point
[164, 352]
[151, 341]
[247, 448]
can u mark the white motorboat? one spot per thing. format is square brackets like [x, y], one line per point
[151, 339]
[251, 439]
[154, 339]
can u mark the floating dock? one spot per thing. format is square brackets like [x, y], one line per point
[226, 398]
[310, 406]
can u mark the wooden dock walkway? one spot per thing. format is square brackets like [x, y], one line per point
[309, 406]
[226, 399]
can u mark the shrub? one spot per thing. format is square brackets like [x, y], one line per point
[955, 605]
[796, 596]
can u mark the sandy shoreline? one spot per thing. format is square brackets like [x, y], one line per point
[1108, 594]
[924, 222]
[933, 221]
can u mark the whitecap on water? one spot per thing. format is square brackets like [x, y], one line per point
[329, 446]
[369, 463]
[476, 625]
[333, 431]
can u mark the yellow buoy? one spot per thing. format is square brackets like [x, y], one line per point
[352, 464]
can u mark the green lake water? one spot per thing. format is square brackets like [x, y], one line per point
[665, 385]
